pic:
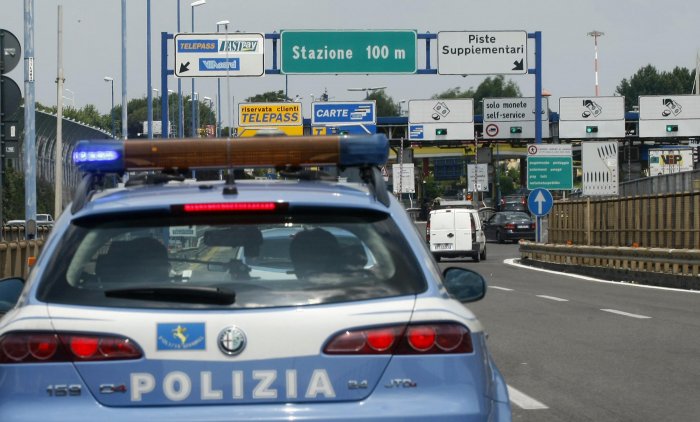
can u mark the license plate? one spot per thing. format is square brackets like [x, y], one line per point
[443, 246]
[523, 226]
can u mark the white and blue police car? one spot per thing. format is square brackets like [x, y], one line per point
[309, 297]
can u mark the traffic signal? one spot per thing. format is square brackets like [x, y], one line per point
[516, 129]
[671, 128]
[591, 129]
[440, 132]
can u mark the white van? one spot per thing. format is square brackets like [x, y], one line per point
[456, 232]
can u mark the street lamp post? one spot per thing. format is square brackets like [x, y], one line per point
[206, 120]
[368, 90]
[111, 111]
[218, 82]
[155, 111]
[595, 35]
[193, 5]
[170, 120]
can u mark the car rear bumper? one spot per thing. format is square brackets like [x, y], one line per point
[433, 407]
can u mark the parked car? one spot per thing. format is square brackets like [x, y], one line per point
[509, 226]
[44, 220]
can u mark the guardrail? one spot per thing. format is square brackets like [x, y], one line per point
[657, 266]
[14, 257]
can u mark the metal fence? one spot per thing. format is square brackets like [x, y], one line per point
[686, 181]
[670, 220]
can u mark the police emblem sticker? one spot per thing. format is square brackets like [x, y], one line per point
[181, 336]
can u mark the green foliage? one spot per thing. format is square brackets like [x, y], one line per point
[385, 104]
[490, 88]
[507, 185]
[269, 97]
[13, 196]
[649, 81]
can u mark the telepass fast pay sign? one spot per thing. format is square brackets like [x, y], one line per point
[219, 55]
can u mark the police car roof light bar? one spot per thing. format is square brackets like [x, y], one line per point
[108, 156]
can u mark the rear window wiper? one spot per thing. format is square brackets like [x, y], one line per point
[185, 294]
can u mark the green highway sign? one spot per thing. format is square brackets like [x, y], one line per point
[550, 172]
[309, 52]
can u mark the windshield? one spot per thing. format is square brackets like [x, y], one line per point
[281, 261]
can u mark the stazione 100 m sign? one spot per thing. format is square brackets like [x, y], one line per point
[358, 51]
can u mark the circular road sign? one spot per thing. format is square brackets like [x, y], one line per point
[540, 202]
[532, 149]
[11, 97]
[12, 52]
[492, 130]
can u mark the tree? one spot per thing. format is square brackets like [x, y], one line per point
[269, 97]
[13, 195]
[649, 81]
[490, 88]
[386, 106]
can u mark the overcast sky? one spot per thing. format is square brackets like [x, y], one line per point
[637, 33]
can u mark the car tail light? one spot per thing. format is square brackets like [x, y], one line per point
[33, 347]
[436, 338]
[532, 225]
[510, 226]
[427, 231]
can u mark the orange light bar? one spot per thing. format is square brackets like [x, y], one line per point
[238, 152]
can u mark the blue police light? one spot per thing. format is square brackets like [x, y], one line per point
[363, 150]
[101, 156]
[108, 156]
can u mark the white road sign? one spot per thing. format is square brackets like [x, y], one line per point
[591, 117]
[669, 115]
[431, 120]
[513, 118]
[477, 178]
[482, 52]
[599, 162]
[219, 55]
[403, 178]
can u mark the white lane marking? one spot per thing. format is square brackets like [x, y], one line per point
[511, 261]
[524, 401]
[558, 299]
[500, 288]
[615, 311]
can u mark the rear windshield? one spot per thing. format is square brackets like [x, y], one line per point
[279, 260]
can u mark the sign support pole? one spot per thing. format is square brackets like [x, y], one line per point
[537, 35]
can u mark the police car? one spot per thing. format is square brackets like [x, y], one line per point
[308, 297]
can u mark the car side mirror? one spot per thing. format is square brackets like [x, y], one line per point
[465, 285]
[10, 290]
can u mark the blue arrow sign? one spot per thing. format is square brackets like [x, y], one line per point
[540, 202]
[332, 113]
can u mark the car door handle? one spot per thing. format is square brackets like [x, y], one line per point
[450, 235]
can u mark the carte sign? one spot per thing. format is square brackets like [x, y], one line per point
[269, 114]
[482, 52]
[330, 112]
[513, 118]
[357, 51]
[591, 117]
[219, 55]
[669, 115]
